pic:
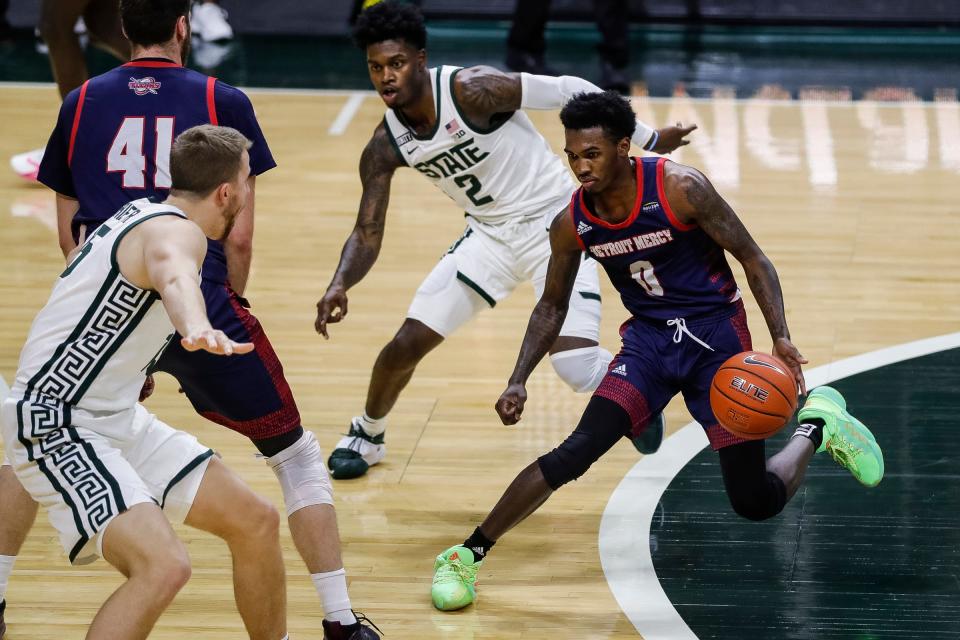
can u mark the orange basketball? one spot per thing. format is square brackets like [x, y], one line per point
[753, 395]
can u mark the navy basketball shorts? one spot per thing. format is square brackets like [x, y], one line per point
[246, 393]
[659, 360]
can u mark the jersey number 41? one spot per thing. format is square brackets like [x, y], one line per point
[126, 153]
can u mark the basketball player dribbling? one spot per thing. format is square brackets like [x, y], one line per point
[660, 230]
[465, 130]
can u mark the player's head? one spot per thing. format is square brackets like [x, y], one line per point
[598, 130]
[394, 38]
[157, 22]
[211, 164]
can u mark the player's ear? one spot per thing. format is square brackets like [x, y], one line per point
[623, 148]
[422, 59]
[183, 28]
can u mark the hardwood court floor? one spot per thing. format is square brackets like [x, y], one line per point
[856, 204]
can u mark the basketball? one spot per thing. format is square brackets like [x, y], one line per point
[753, 395]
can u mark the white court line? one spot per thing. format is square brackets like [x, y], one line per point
[346, 114]
[625, 525]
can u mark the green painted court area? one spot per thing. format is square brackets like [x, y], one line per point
[841, 561]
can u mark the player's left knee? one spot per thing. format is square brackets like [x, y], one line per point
[302, 474]
[763, 503]
[583, 369]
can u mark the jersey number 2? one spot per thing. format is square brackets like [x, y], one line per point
[126, 152]
[475, 186]
[642, 272]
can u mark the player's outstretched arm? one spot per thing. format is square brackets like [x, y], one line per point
[169, 260]
[694, 199]
[377, 164]
[485, 91]
[547, 317]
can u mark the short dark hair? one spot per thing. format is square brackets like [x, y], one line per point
[390, 20]
[608, 110]
[149, 22]
[204, 157]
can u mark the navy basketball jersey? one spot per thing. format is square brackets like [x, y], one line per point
[663, 268]
[113, 137]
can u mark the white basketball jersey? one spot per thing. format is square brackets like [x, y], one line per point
[89, 347]
[494, 174]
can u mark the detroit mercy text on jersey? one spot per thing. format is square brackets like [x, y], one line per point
[663, 268]
[494, 174]
[87, 351]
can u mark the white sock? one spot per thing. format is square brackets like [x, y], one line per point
[6, 568]
[373, 427]
[332, 589]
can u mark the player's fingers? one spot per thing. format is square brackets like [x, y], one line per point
[188, 343]
[211, 342]
[688, 130]
[242, 347]
[683, 143]
[343, 307]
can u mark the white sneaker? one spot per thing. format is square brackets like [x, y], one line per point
[355, 453]
[208, 20]
[26, 165]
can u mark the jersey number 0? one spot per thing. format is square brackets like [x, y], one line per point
[126, 152]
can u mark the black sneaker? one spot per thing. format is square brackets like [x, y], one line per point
[357, 631]
[355, 453]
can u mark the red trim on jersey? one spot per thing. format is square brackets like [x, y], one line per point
[211, 103]
[284, 419]
[633, 214]
[152, 64]
[674, 220]
[76, 121]
[573, 219]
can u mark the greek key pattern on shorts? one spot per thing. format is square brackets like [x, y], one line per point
[84, 481]
[75, 364]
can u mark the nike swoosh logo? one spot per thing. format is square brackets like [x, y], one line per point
[753, 360]
[412, 151]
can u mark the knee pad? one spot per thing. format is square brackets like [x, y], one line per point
[582, 369]
[567, 462]
[767, 501]
[302, 474]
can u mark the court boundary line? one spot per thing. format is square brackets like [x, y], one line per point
[347, 93]
[626, 559]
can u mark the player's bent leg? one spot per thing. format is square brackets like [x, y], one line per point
[363, 446]
[603, 423]
[755, 492]
[297, 461]
[141, 544]
[227, 508]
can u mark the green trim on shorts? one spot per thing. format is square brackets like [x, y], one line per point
[589, 295]
[193, 464]
[480, 292]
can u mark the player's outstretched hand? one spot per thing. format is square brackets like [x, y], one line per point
[510, 405]
[786, 351]
[673, 137]
[147, 389]
[215, 342]
[331, 308]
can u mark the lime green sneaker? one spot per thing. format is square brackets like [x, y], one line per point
[847, 439]
[454, 574]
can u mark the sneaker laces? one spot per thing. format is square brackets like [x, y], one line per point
[456, 571]
[843, 451]
[362, 619]
[681, 326]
